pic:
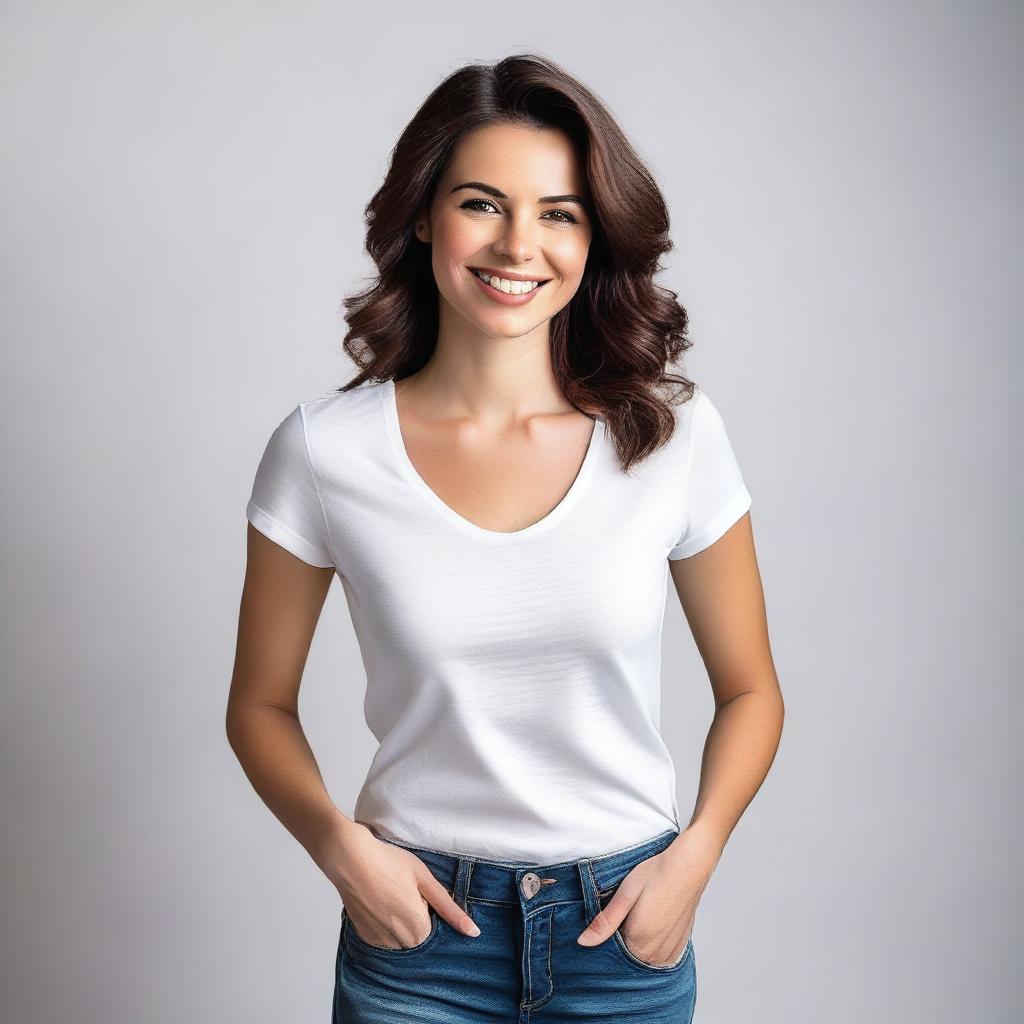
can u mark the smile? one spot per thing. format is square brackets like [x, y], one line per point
[505, 285]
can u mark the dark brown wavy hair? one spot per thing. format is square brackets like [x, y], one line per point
[613, 343]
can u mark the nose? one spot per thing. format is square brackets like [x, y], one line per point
[515, 243]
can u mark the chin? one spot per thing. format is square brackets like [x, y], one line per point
[509, 331]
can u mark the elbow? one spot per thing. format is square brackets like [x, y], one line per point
[232, 725]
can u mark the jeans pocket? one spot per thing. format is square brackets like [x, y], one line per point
[350, 937]
[630, 957]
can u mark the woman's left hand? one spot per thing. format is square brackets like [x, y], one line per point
[656, 903]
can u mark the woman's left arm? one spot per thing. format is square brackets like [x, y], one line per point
[723, 601]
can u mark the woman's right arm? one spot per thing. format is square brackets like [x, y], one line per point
[282, 598]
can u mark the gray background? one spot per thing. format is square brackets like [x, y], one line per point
[182, 195]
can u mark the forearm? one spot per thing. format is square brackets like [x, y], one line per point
[276, 757]
[739, 750]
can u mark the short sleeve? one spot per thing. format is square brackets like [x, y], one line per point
[285, 503]
[715, 495]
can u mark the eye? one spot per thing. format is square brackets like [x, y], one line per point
[570, 219]
[475, 204]
[468, 204]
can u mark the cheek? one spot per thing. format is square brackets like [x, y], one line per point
[455, 242]
[570, 258]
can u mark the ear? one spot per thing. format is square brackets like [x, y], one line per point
[421, 225]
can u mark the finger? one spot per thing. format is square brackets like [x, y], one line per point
[605, 922]
[440, 899]
[614, 912]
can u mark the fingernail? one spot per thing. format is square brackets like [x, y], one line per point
[584, 939]
[471, 929]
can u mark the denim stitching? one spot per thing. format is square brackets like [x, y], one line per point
[528, 953]
[557, 903]
[536, 1004]
[693, 1003]
[469, 882]
[403, 951]
[669, 968]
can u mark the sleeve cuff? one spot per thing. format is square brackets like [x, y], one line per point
[727, 517]
[287, 538]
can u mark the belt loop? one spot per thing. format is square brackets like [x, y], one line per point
[462, 876]
[589, 885]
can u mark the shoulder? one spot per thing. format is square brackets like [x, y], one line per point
[346, 410]
[701, 438]
[314, 424]
[688, 415]
[698, 413]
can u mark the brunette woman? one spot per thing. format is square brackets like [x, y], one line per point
[504, 490]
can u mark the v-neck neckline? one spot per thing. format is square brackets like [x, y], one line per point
[389, 405]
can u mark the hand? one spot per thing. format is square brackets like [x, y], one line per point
[388, 891]
[655, 905]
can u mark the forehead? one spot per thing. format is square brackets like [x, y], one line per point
[523, 162]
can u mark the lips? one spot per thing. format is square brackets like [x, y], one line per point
[507, 298]
[509, 275]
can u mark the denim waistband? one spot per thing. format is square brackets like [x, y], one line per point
[477, 878]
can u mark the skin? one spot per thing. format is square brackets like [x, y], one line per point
[490, 432]
[485, 422]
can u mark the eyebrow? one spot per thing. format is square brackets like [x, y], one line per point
[498, 194]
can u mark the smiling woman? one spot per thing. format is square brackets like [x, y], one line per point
[518, 170]
[503, 491]
[511, 249]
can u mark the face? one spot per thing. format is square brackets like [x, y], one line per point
[508, 204]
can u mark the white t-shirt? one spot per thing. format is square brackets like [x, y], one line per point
[513, 679]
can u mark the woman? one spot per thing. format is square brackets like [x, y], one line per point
[503, 491]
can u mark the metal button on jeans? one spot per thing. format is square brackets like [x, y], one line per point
[530, 884]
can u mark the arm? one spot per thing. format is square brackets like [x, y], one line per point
[720, 591]
[381, 886]
[723, 601]
[282, 598]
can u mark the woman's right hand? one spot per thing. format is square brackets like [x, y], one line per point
[388, 891]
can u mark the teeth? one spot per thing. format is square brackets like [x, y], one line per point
[511, 287]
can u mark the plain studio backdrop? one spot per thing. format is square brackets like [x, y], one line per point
[182, 198]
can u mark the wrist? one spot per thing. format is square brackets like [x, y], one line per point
[335, 833]
[701, 840]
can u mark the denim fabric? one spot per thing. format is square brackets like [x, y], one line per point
[526, 966]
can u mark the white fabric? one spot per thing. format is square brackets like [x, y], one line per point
[513, 679]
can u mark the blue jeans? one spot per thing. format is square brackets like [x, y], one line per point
[525, 966]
